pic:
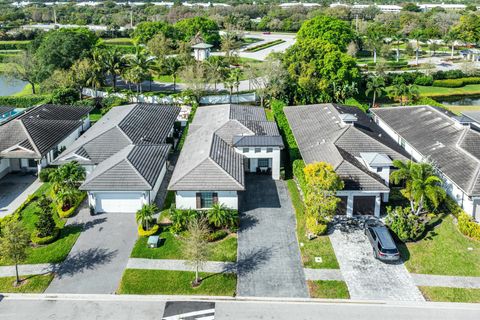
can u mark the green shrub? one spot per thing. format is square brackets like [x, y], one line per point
[25, 101]
[180, 218]
[217, 235]
[468, 226]
[448, 83]
[298, 166]
[407, 226]
[471, 80]
[64, 96]
[277, 108]
[44, 174]
[35, 237]
[146, 233]
[14, 45]
[424, 80]
[355, 103]
[314, 227]
[71, 210]
[428, 101]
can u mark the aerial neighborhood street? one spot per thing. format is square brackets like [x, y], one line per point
[191, 160]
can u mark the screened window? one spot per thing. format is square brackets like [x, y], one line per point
[269, 150]
[32, 163]
[258, 150]
[246, 150]
[206, 199]
[379, 169]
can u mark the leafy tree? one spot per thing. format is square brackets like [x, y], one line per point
[269, 78]
[407, 226]
[195, 246]
[59, 49]
[421, 184]
[160, 46]
[196, 78]
[327, 29]
[66, 197]
[144, 216]
[82, 74]
[322, 184]
[412, 7]
[401, 91]
[206, 28]
[468, 28]
[172, 66]
[145, 31]
[68, 175]
[374, 39]
[376, 86]
[25, 67]
[46, 224]
[14, 243]
[113, 64]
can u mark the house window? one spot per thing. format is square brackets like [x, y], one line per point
[246, 150]
[206, 199]
[32, 163]
[269, 150]
[379, 169]
[258, 150]
[263, 163]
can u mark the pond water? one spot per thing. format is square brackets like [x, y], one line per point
[8, 87]
[460, 101]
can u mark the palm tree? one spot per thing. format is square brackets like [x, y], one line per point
[396, 39]
[172, 66]
[374, 40]
[68, 175]
[402, 92]
[216, 68]
[375, 85]
[145, 214]
[218, 215]
[234, 79]
[451, 38]
[139, 65]
[421, 184]
[113, 64]
[228, 44]
[418, 35]
[66, 197]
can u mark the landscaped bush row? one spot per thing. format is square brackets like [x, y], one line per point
[14, 45]
[468, 226]
[298, 166]
[282, 122]
[420, 78]
[456, 83]
[265, 45]
[24, 102]
[219, 218]
[391, 64]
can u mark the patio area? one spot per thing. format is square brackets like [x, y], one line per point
[14, 190]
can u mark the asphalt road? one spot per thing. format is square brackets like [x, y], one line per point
[153, 307]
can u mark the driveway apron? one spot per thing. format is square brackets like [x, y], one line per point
[366, 277]
[269, 263]
[97, 260]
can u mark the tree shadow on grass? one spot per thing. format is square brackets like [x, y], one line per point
[84, 260]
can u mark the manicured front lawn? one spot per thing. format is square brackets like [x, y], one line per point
[460, 109]
[431, 91]
[31, 284]
[319, 247]
[135, 281]
[444, 294]
[223, 250]
[329, 289]
[444, 251]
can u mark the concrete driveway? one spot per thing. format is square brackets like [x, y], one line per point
[269, 263]
[98, 258]
[14, 190]
[367, 278]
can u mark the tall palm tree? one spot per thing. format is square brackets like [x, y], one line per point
[421, 184]
[218, 215]
[216, 68]
[236, 75]
[172, 66]
[397, 38]
[375, 85]
[139, 65]
[451, 38]
[113, 64]
[66, 197]
[145, 214]
[228, 44]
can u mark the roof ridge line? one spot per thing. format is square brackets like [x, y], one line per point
[133, 167]
[29, 137]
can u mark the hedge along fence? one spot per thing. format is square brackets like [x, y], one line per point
[265, 45]
[282, 122]
[298, 166]
[465, 223]
[14, 45]
[24, 102]
[456, 83]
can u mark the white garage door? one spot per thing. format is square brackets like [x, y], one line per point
[118, 202]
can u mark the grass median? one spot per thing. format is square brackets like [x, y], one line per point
[30, 284]
[328, 289]
[444, 294]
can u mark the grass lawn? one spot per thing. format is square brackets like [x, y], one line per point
[223, 250]
[430, 91]
[269, 114]
[460, 109]
[329, 289]
[54, 252]
[31, 284]
[319, 247]
[444, 294]
[444, 251]
[26, 91]
[135, 281]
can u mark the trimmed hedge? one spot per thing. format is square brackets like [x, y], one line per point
[71, 211]
[456, 83]
[468, 226]
[298, 166]
[217, 235]
[45, 240]
[424, 80]
[14, 45]
[147, 233]
[25, 101]
[282, 122]
[265, 45]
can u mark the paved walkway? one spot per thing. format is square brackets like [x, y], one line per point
[180, 265]
[14, 190]
[323, 274]
[26, 269]
[98, 258]
[368, 278]
[269, 263]
[445, 281]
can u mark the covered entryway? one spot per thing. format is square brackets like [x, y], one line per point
[122, 202]
[364, 205]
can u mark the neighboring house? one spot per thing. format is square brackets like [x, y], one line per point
[224, 142]
[34, 139]
[125, 156]
[354, 145]
[450, 143]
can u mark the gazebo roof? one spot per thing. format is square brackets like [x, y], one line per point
[202, 45]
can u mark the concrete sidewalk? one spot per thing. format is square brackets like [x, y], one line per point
[430, 280]
[323, 274]
[180, 265]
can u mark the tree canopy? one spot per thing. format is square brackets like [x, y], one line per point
[206, 28]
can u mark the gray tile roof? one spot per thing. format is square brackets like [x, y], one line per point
[39, 130]
[208, 160]
[322, 136]
[453, 148]
[134, 168]
[257, 141]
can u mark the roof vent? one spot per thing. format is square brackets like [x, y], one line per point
[348, 118]
[145, 139]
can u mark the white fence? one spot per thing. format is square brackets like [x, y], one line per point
[213, 99]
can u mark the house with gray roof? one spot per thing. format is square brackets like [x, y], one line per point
[360, 152]
[35, 138]
[223, 143]
[449, 142]
[125, 155]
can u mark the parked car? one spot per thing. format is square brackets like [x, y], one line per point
[384, 247]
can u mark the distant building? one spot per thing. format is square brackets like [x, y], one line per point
[201, 51]
[360, 7]
[294, 4]
[446, 6]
